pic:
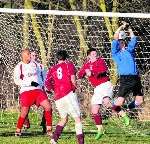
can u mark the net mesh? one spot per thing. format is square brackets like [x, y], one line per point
[46, 34]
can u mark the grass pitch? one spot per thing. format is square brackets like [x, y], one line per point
[115, 132]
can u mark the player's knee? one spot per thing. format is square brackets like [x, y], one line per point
[47, 108]
[107, 102]
[119, 101]
[139, 101]
[77, 120]
[63, 121]
[24, 112]
[46, 105]
[94, 110]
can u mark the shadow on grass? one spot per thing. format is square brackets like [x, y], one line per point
[24, 134]
[65, 133]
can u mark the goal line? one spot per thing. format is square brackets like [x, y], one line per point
[76, 13]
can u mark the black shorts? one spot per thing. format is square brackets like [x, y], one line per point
[130, 84]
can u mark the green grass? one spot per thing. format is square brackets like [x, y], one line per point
[115, 132]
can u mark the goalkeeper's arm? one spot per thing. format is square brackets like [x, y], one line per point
[131, 34]
[116, 35]
[133, 41]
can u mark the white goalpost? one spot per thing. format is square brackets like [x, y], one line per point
[75, 13]
[47, 31]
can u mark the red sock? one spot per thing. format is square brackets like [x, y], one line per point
[57, 132]
[80, 138]
[97, 119]
[20, 122]
[27, 123]
[48, 117]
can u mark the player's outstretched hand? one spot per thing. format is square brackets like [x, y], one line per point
[124, 24]
[35, 84]
[129, 29]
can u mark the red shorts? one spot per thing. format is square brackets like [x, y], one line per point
[31, 97]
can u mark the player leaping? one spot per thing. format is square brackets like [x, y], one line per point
[96, 70]
[124, 56]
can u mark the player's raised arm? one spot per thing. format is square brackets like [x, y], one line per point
[133, 41]
[115, 49]
[116, 35]
[118, 42]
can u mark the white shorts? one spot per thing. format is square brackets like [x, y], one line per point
[68, 105]
[101, 91]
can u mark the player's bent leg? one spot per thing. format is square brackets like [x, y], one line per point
[79, 130]
[21, 119]
[59, 128]
[48, 115]
[74, 111]
[107, 102]
[136, 103]
[117, 104]
[119, 101]
[117, 108]
[43, 122]
[98, 120]
[26, 124]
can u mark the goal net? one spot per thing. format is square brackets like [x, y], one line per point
[46, 31]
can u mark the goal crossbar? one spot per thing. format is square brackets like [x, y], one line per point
[75, 13]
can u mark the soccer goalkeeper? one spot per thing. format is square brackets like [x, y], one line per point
[123, 54]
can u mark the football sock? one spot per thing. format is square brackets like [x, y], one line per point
[78, 128]
[97, 118]
[20, 122]
[57, 132]
[48, 117]
[80, 138]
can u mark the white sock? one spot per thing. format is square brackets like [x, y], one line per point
[78, 128]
